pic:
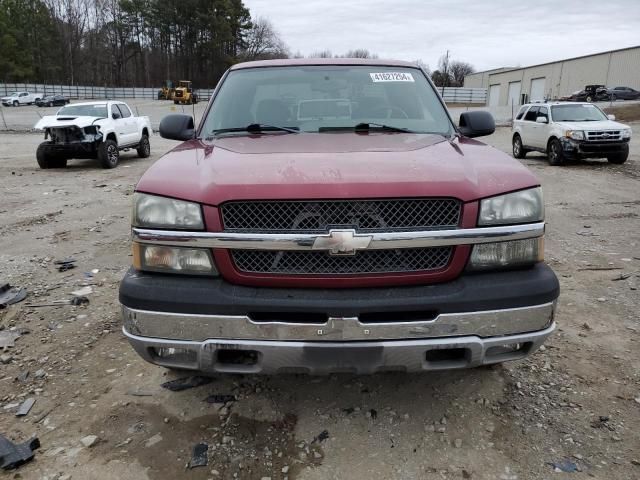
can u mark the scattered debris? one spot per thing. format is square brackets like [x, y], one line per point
[373, 413]
[565, 465]
[89, 441]
[10, 295]
[25, 407]
[40, 373]
[8, 338]
[58, 303]
[348, 410]
[138, 393]
[598, 269]
[65, 264]
[186, 383]
[82, 292]
[23, 376]
[157, 438]
[321, 437]
[220, 398]
[13, 455]
[199, 456]
[622, 276]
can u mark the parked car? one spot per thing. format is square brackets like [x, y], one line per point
[591, 93]
[52, 100]
[569, 130]
[20, 98]
[347, 226]
[92, 130]
[623, 93]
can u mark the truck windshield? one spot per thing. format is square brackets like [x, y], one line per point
[577, 113]
[99, 110]
[323, 98]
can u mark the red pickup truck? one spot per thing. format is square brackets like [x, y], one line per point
[327, 215]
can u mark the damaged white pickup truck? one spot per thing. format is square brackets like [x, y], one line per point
[92, 130]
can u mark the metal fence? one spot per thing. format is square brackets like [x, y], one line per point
[89, 92]
[464, 95]
[450, 94]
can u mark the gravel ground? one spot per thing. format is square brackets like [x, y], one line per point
[575, 404]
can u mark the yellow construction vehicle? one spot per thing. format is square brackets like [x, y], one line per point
[184, 93]
[167, 91]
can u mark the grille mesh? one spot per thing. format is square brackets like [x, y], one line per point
[318, 263]
[363, 215]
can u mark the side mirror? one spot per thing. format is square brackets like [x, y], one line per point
[115, 115]
[611, 117]
[177, 126]
[476, 124]
[542, 120]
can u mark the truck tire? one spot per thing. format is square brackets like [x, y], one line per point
[555, 155]
[15, 103]
[47, 160]
[618, 158]
[108, 154]
[518, 149]
[144, 147]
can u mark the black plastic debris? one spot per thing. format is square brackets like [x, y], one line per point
[565, 465]
[220, 398]
[321, 437]
[10, 295]
[348, 410]
[186, 383]
[79, 301]
[199, 457]
[12, 455]
[65, 264]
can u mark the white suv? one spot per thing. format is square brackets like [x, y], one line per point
[569, 130]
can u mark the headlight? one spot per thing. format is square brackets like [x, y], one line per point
[575, 134]
[515, 253]
[525, 206]
[151, 211]
[626, 133]
[160, 258]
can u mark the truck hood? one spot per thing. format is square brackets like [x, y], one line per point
[593, 126]
[8, 98]
[55, 121]
[333, 166]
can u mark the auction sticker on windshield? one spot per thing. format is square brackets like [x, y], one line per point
[391, 77]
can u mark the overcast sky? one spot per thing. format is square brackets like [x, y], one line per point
[487, 34]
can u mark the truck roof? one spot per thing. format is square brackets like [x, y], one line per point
[292, 62]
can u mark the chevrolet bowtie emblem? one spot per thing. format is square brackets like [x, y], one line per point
[342, 242]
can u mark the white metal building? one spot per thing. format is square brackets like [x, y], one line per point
[557, 79]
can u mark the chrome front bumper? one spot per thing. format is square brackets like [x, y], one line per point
[235, 344]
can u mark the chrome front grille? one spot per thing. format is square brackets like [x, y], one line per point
[604, 136]
[321, 263]
[320, 216]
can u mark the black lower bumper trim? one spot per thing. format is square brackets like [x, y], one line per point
[214, 296]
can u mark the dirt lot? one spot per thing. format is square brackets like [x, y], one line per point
[576, 403]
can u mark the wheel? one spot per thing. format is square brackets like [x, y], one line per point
[195, 99]
[144, 147]
[49, 104]
[554, 152]
[518, 150]
[175, 101]
[618, 158]
[15, 103]
[588, 99]
[108, 154]
[47, 160]
[613, 98]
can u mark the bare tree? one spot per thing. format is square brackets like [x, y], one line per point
[322, 54]
[419, 62]
[443, 79]
[359, 53]
[263, 42]
[459, 70]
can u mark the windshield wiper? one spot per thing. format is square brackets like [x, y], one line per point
[255, 128]
[390, 128]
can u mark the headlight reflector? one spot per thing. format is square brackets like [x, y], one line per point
[513, 253]
[161, 258]
[626, 133]
[525, 206]
[575, 134]
[151, 211]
